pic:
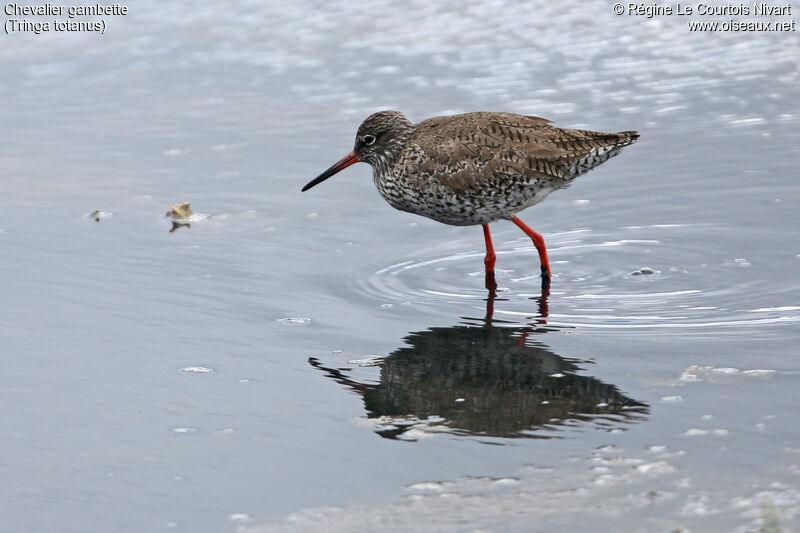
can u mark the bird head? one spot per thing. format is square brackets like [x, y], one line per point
[379, 141]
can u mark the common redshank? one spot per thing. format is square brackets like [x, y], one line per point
[475, 168]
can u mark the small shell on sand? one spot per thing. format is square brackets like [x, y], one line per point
[181, 211]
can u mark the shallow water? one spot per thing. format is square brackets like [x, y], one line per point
[319, 361]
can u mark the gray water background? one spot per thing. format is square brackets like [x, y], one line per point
[234, 108]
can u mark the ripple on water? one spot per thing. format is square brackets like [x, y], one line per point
[593, 283]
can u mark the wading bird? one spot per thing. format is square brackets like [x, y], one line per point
[475, 168]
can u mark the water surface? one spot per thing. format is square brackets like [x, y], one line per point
[319, 361]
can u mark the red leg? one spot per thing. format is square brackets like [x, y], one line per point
[491, 284]
[490, 255]
[538, 241]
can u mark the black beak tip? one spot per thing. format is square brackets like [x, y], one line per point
[310, 184]
[345, 162]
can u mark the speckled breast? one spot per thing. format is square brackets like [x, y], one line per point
[432, 199]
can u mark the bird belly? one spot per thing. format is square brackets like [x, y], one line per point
[465, 208]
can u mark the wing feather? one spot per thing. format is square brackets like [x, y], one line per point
[475, 149]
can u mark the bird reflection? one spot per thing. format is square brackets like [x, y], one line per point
[488, 380]
[178, 225]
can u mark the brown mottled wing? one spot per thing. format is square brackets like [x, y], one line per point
[474, 149]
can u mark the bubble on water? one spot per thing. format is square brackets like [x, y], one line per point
[241, 518]
[557, 375]
[388, 69]
[184, 430]
[459, 400]
[195, 370]
[604, 479]
[175, 152]
[427, 486]
[671, 399]
[738, 262]
[658, 467]
[386, 305]
[414, 434]
[294, 321]
[695, 432]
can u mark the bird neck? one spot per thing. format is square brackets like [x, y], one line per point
[384, 161]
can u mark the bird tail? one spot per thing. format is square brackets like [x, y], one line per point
[608, 146]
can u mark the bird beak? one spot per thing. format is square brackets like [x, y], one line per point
[342, 164]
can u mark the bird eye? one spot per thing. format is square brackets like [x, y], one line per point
[369, 139]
